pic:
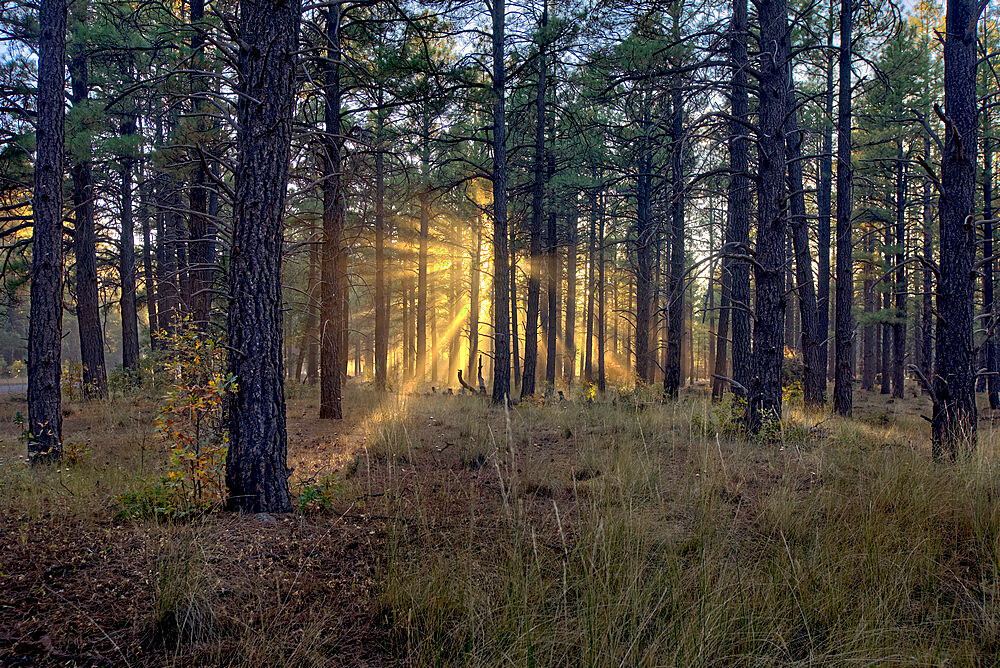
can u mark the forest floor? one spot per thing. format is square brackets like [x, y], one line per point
[439, 530]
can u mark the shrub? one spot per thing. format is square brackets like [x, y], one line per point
[190, 423]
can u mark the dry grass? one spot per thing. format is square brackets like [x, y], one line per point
[451, 533]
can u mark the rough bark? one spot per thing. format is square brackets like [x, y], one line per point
[95, 377]
[764, 400]
[126, 258]
[425, 218]
[535, 230]
[954, 416]
[843, 388]
[824, 201]
[148, 277]
[256, 471]
[601, 299]
[200, 228]
[474, 305]
[814, 380]
[501, 287]
[736, 271]
[989, 306]
[333, 262]
[569, 337]
[381, 297]
[645, 241]
[675, 305]
[588, 355]
[45, 318]
[899, 316]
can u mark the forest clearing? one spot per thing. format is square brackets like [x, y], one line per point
[499, 333]
[437, 530]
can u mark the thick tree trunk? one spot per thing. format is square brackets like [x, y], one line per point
[824, 201]
[126, 257]
[333, 265]
[45, 319]
[256, 471]
[95, 378]
[764, 401]
[954, 418]
[736, 272]
[675, 305]
[645, 240]
[535, 229]
[202, 238]
[814, 381]
[843, 388]
[501, 288]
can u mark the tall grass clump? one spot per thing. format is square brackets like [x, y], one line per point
[747, 554]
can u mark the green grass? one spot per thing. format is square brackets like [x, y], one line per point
[850, 550]
[563, 534]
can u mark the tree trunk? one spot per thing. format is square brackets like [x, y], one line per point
[256, 471]
[736, 272]
[645, 240]
[675, 305]
[814, 380]
[601, 298]
[569, 365]
[474, 306]
[927, 290]
[552, 289]
[823, 205]
[381, 303]
[868, 336]
[201, 243]
[453, 314]
[95, 378]
[126, 257]
[148, 278]
[843, 388]
[515, 353]
[45, 319]
[333, 265]
[501, 289]
[535, 229]
[954, 417]
[989, 306]
[764, 401]
[899, 321]
[310, 340]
